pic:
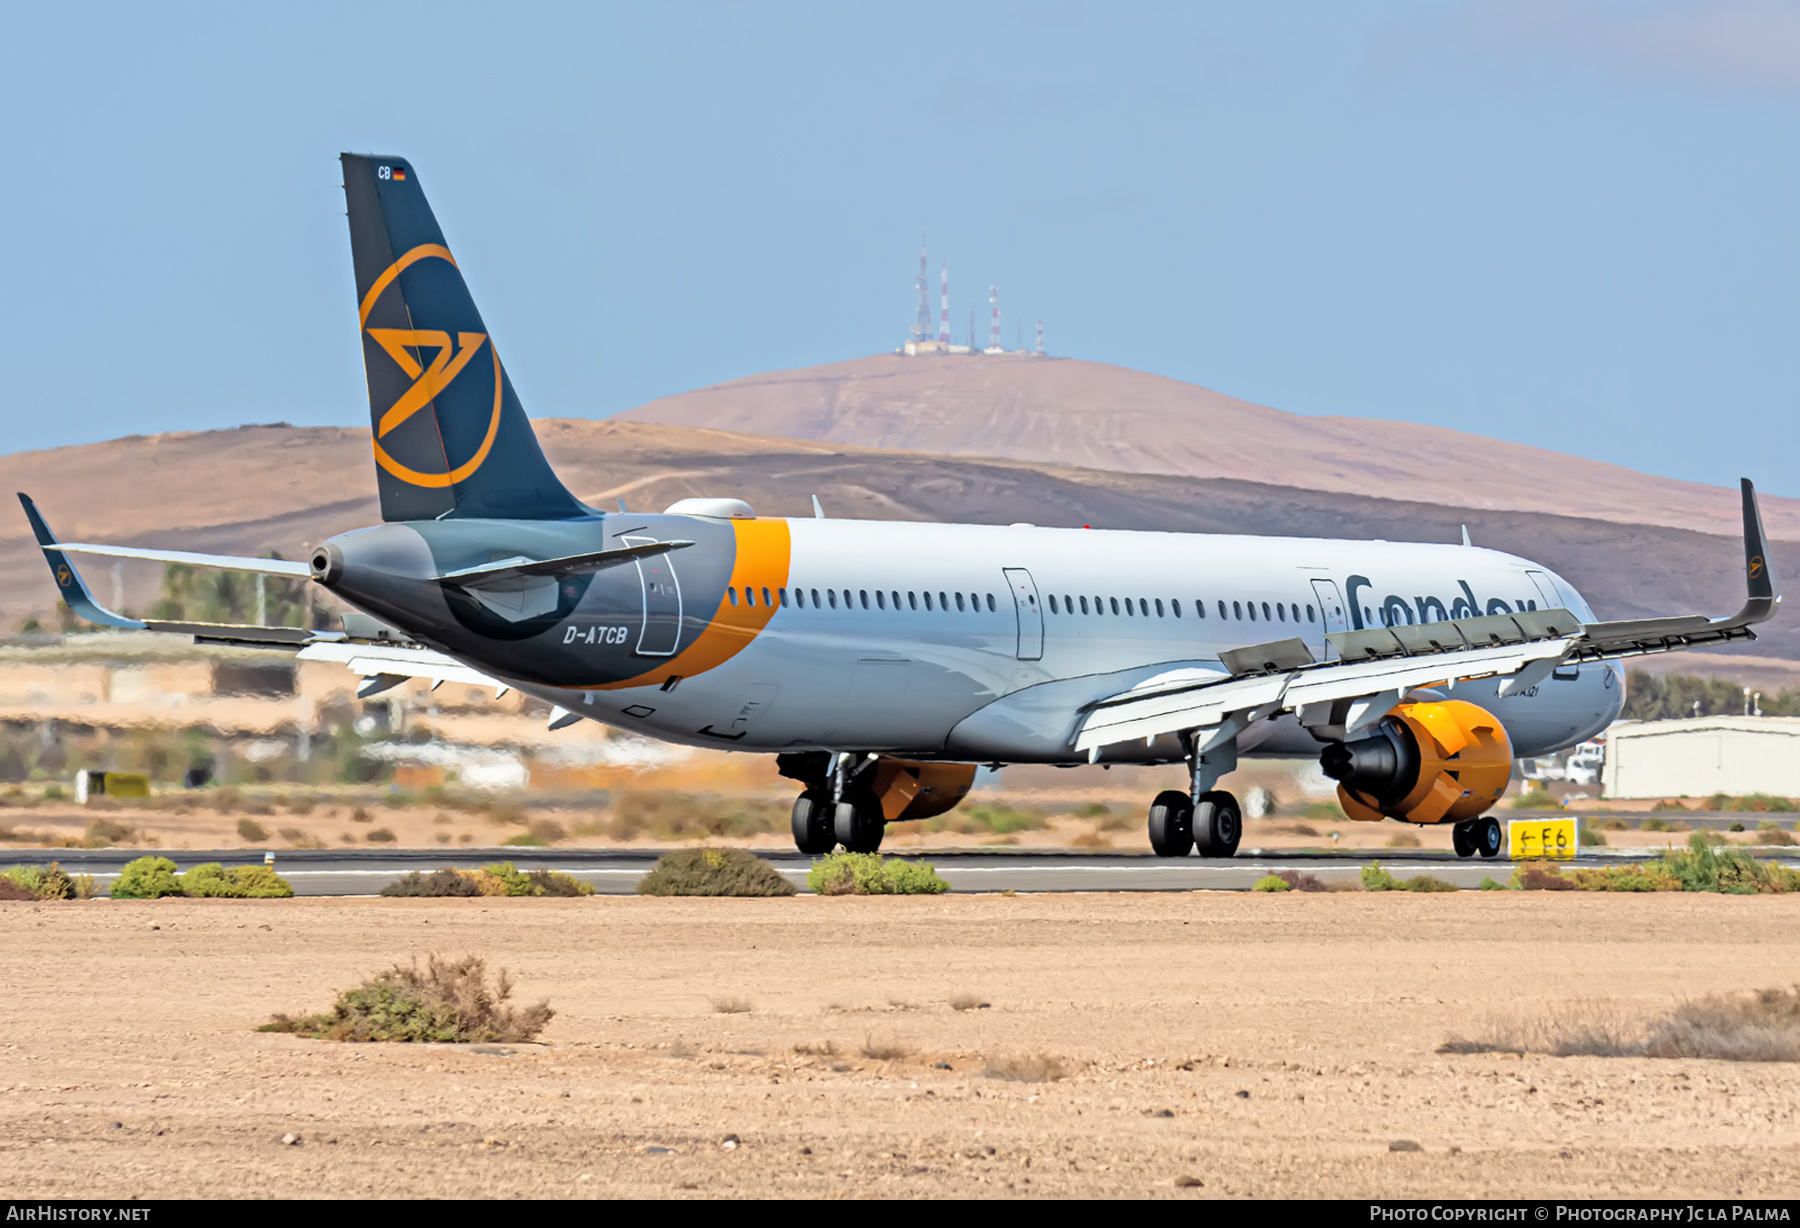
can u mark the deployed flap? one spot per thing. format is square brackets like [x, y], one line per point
[377, 660]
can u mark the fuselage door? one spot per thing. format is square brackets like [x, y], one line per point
[660, 634]
[1332, 617]
[1031, 614]
[1552, 600]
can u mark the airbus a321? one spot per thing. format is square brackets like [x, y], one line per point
[882, 662]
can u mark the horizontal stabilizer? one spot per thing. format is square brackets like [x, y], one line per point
[568, 565]
[226, 562]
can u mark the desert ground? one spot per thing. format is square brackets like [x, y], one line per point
[1258, 1045]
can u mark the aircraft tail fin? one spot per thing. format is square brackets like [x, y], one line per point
[450, 437]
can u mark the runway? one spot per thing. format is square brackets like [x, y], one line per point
[331, 872]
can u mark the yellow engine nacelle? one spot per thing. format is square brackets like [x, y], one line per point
[910, 790]
[1438, 762]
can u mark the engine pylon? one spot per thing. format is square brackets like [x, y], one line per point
[1437, 762]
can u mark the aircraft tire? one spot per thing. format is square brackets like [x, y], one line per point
[1489, 839]
[859, 826]
[1172, 824]
[1218, 824]
[1462, 839]
[814, 831]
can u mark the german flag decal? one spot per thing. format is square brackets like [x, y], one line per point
[400, 173]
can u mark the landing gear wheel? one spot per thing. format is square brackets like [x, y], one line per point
[1172, 824]
[859, 825]
[1462, 839]
[1488, 836]
[813, 833]
[1217, 824]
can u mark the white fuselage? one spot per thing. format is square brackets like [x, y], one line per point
[984, 643]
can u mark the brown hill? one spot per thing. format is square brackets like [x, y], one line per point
[1063, 411]
[260, 488]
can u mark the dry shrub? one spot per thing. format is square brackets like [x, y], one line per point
[381, 835]
[827, 1048]
[969, 1002]
[1025, 1068]
[449, 1000]
[681, 816]
[252, 831]
[1091, 840]
[438, 883]
[1763, 1026]
[883, 1050]
[547, 830]
[9, 890]
[732, 1006]
[103, 833]
[359, 815]
[1298, 881]
[1298, 829]
[20, 835]
[299, 839]
[1403, 840]
[713, 872]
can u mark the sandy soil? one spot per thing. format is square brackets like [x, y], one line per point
[1263, 1045]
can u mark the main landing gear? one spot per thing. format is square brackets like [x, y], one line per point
[1481, 835]
[837, 807]
[1212, 825]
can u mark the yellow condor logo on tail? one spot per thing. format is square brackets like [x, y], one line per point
[450, 358]
[1756, 567]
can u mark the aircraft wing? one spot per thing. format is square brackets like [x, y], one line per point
[1376, 667]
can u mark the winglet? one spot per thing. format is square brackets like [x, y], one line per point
[74, 589]
[1759, 576]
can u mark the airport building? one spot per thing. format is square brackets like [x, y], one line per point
[1700, 756]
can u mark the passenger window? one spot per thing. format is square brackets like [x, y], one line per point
[881, 599]
[849, 601]
[1159, 609]
[912, 599]
[943, 602]
[1221, 609]
[1251, 606]
[800, 598]
[784, 597]
[766, 600]
[815, 597]
[927, 601]
[865, 598]
[731, 593]
[1053, 603]
[1237, 611]
[1175, 605]
[1309, 613]
[1144, 606]
[832, 593]
[1115, 605]
[1280, 612]
[959, 603]
[1296, 609]
[1265, 611]
[1084, 608]
[896, 597]
[991, 608]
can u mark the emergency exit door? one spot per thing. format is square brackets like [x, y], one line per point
[1031, 614]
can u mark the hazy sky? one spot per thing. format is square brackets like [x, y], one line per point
[1566, 223]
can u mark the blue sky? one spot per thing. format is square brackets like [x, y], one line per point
[1569, 224]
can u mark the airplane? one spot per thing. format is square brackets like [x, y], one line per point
[883, 662]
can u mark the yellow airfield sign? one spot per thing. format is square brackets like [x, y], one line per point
[1534, 839]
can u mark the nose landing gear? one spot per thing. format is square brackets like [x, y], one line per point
[1212, 826]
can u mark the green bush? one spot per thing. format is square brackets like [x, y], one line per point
[438, 883]
[146, 878]
[1376, 878]
[1488, 884]
[448, 1001]
[47, 883]
[513, 880]
[711, 871]
[1270, 882]
[524, 842]
[252, 831]
[873, 874]
[1703, 867]
[211, 880]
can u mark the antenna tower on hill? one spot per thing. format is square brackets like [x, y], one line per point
[921, 328]
[944, 310]
[994, 325]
